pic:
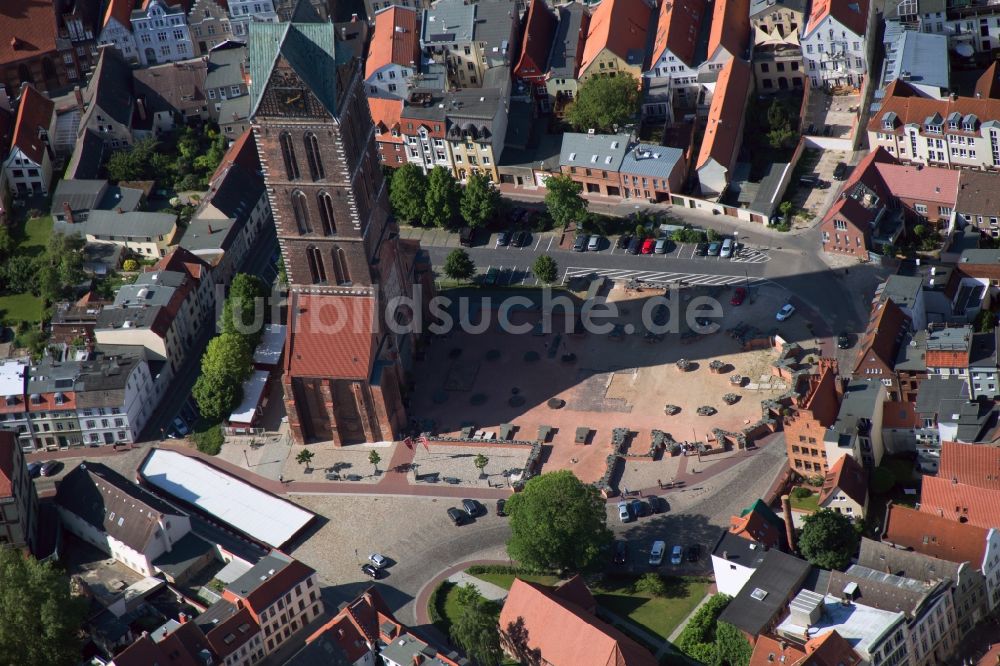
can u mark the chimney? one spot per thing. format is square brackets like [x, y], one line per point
[119, 210]
[354, 18]
[68, 212]
[78, 94]
[786, 508]
[15, 43]
[182, 618]
[140, 104]
[210, 228]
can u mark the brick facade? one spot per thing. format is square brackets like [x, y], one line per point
[811, 416]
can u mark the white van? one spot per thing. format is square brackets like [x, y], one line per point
[656, 553]
[727, 248]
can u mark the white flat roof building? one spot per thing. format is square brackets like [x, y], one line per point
[272, 343]
[12, 377]
[253, 391]
[257, 514]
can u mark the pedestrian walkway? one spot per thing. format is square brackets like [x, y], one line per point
[632, 629]
[680, 627]
[486, 589]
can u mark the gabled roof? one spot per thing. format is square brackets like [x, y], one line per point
[563, 633]
[958, 501]
[34, 115]
[345, 638]
[181, 647]
[27, 30]
[109, 90]
[121, 11]
[330, 336]
[907, 108]
[973, 464]
[934, 535]
[988, 85]
[766, 593]
[677, 28]
[174, 87]
[396, 40]
[619, 26]
[885, 332]
[268, 580]
[183, 261]
[884, 556]
[923, 184]
[769, 651]
[852, 14]
[574, 22]
[830, 649]
[759, 523]
[385, 116]
[7, 443]
[730, 28]
[849, 477]
[539, 30]
[721, 140]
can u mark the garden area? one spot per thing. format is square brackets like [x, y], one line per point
[21, 245]
[183, 161]
[771, 132]
[804, 499]
[891, 481]
[656, 604]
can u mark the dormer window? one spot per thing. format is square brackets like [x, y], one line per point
[933, 129]
[889, 121]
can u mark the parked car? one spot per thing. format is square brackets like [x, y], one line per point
[739, 296]
[655, 503]
[661, 246]
[623, 241]
[808, 180]
[378, 560]
[844, 340]
[472, 507]
[656, 553]
[840, 171]
[370, 571]
[693, 552]
[623, 513]
[701, 249]
[521, 238]
[621, 552]
[595, 243]
[34, 469]
[727, 248]
[648, 245]
[49, 467]
[501, 504]
[466, 236]
[580, 244]
[503, 239]
[457, 516]
[180, 427]
[634, 245]
[714, 249]
[676, 555]
[786, 311]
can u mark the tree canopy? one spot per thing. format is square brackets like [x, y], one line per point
[40, 620]
[557, 522]
[479, 201]
[545, 269]
[408, 192]
[563, 200]
[829, 539]
[185, 163]
[603, 102]
[227, 362]
[476, 630]
[458, 265]
[441, 200]
[709, 641]
[240, 314]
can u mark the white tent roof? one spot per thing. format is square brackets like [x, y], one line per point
[272, 343]
[253, 389]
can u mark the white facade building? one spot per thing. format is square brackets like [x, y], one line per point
[834, 43]
[117, 31]
[161, 33]
[241, 12]
[117, 399]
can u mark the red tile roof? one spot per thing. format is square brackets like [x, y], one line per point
[182, 260]
[539, 31]
[242, 151]
[358, 623]
[7, 443]
[121, 11]
[231, 627]
[385, 116]
[929, 184]
[972, 464]
[278, 585]
[730, 28]
[721, 140]
[947, 358]
[330, 336]
[768, 651]
[619, 26]
[756, 526]
[883, 335]
[830, 649]
[988, 85]
[901, 414]
[958, 501]
[27, 30]
[824, 401]
[34, 113]
[576, 592]
[847, 475]
[677, 29]
[563, 633]
[852, 14]
[915, 110]
[991, 658]
[395, 40]
[179, 648]
[935, 536]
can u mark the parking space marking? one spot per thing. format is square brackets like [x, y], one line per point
[659, 277]
[538, 242]
[551, 238]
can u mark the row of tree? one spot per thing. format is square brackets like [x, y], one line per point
[458, 265]
[437, 199]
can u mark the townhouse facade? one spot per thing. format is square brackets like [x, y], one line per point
[720, 147]
[834, 43]
[594, 161]
[469, 39]
[243, 12]
[616, 40]
[18, 498]
[32, 51]
[393, 54]
[564, 58]
[28, 167]
[108, 104]
[210, 26]
[811, 416]
[116, 29]
[389, 139]
[225, 81]
[161, 33]
[675, 58]
[530, 71]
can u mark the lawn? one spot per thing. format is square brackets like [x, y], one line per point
[657, 615]
[447, 606]
[21, 307]
[505, 580]
[809, 504]
[36, 234]
[32, 238]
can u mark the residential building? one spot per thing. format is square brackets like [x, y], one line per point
[829, 648]
[880, 346]
[877, 636]
[476, 122]
[777, 63]
[536, 620]
[734, 559]
[845, 488]
[116, 29]
[18, 499]
[146, 234]
[109, 104]
[960, 501]
[978, 202]
[758, 523]
[79, 22]
[865, 217]
[729, 36]
[170, 96]
[14, 407]
[907, 293]
[918, 58]
[119, 518]
[389, 137]
[115, 396]
[393, 54]
[469, 38]
[282, 595]
[761, 602]
[616, 40]
[564, 59]
[74, 199]
[244, 12]
[75, 321]
[911, 367]
[161, 32]
[835, 43]
[530, 70]
[947, 352]
[652, 172]
[52, 413]
[812, 413]
[777, 18]
[422, 124]
[327, 215]
[720, 145]
[225, 79]
[676, 57]
[975, 549]
[858, 428]
[927, 194]
[30, 48]
[28, 166]
[594, 161]
[208, 21]
[940, 405]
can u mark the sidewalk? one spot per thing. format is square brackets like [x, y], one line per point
[486, 589]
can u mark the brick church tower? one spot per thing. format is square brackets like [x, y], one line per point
[343, 370]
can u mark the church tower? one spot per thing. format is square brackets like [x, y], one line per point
[343, 369]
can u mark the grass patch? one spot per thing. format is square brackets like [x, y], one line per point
[21, 307]
[657, 615]
[35, 233]
[810, 503]
[443, 606]
[505, 580]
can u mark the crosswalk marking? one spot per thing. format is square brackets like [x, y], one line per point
[657, 277]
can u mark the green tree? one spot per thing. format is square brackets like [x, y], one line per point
[731, 646]
[408, 192]
[563, 200]
[557, 522]
[603, 102]
[40, 621]
[781, 136]
[133, 163]
[226, 363]
[458, 265]
[216, 396]
[828, 540]
[374, 458]
[477, 632]
[985, 321]
[441, 200]
[651, 584]
[209, 439]
[480, 200]
[305, 457]
[786, 208]
[240, 312]
[20, 274]
[777, 115]
[545, 269]
[480, 461]
[130, 265]
[697, 639]
[7, 243]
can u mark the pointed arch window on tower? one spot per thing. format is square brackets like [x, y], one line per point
[341, 273]
[326, 216]
[317, 269]
[288, 154]
[313, 158]
[301, 211]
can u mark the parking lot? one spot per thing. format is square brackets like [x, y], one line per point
[820, 164]
[833, 116]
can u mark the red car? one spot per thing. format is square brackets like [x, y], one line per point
[739, 296]
[648, 245]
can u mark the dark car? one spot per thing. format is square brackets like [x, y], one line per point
[50, 468]
[621, 552]
[466, 236]
[34, 469]
[693, 552]
[639, 508]
[503, 239]
[701, 249]
[580, 244]
[457, 516]
[623, 241]
[501, 504]
[472, 507]
[840, 171]
[714, 249]
[844, 340]
[371, 571]
[656, 504]
[520, 239]
[634, 245]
